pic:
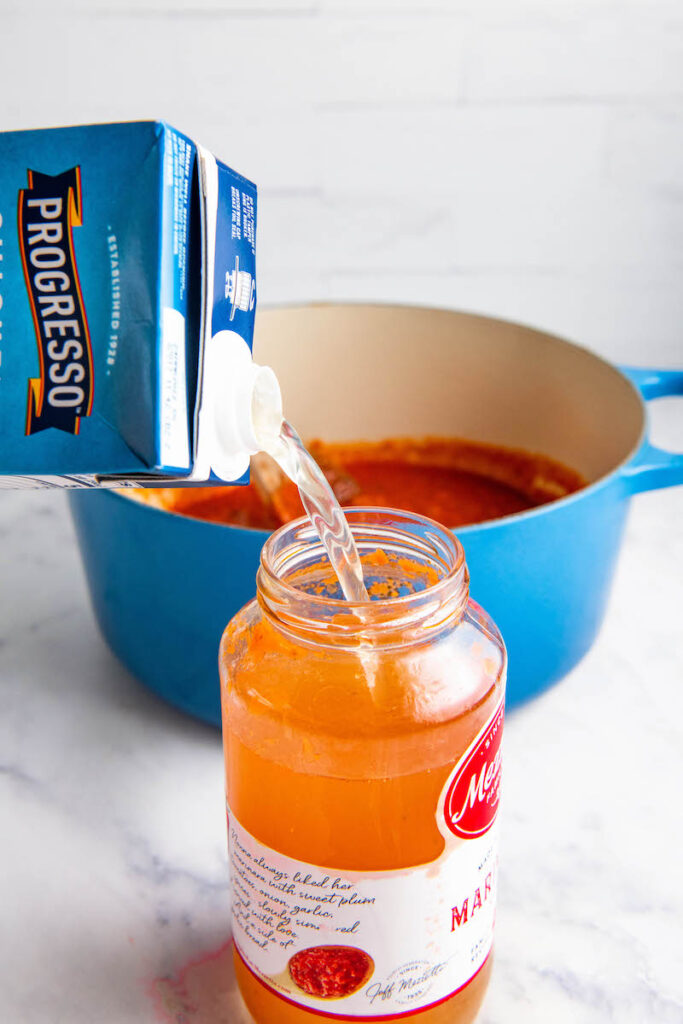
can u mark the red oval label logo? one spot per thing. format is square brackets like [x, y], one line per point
[471, 795]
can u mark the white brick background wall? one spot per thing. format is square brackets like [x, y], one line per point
[522, 158]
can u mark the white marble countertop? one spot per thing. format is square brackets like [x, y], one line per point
[113, 866]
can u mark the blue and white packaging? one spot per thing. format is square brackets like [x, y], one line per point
[124, 250]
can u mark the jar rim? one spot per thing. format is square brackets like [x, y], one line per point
[371, 526]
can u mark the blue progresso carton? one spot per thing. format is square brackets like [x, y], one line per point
[123, 249]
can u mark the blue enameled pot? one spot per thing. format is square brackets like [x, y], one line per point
[163, 586]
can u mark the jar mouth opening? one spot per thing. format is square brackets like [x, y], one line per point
[423, 541]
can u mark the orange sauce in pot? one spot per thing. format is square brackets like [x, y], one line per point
[453, 481]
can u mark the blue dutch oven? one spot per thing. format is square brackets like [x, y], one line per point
[164, 586]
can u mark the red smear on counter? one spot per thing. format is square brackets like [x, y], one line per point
[202, 992]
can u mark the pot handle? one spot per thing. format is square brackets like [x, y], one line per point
[653, 467]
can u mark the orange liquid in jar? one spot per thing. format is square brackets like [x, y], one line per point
[340, 763]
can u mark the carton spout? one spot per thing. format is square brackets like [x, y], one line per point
[245, 404]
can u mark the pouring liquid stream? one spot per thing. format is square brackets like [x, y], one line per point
[323, 509]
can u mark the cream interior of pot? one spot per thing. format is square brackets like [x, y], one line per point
[361, 372]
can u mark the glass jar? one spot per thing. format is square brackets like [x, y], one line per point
[362, 754]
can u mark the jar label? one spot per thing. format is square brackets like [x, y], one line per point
[469, 801]
[376, 945]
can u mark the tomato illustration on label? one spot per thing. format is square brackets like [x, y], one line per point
[469, 801]
[330, 972]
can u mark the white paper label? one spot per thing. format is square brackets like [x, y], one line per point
[374, 945]
[174, 436]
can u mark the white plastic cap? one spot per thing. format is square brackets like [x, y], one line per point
[241, 406]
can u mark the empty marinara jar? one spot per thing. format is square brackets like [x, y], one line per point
[362, 753]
